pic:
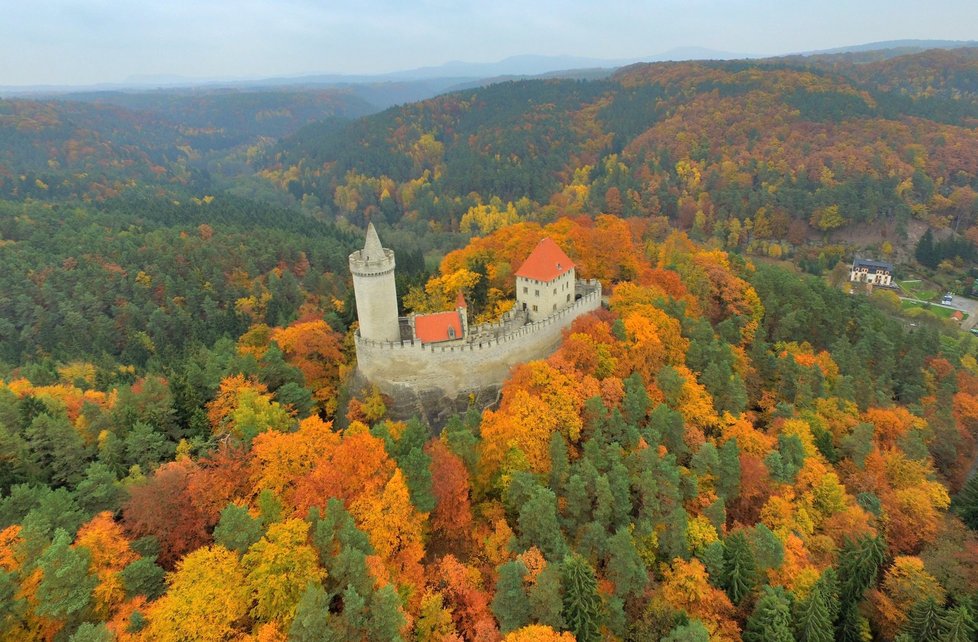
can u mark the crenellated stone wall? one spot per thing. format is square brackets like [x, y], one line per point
[406, 369]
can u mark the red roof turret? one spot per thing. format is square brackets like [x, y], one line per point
[546, 262]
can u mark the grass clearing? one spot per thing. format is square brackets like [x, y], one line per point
[917, 289]
[936, 310]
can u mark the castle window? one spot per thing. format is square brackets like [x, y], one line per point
[536, 293]
[568, 297]
[451, 332]
[534, 308]
[555, 307]
[555, 290]
[525, 289]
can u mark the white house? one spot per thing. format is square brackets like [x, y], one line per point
[869, 271]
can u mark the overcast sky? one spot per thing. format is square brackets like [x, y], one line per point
[92, 41]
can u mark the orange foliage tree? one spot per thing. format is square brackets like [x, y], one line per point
[316, 350]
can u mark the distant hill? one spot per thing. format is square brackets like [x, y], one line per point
[904, 45]
[805, 146]
[97, 144]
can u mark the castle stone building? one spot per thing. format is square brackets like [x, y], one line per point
[434, 365]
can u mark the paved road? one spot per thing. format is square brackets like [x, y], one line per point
[968, 306]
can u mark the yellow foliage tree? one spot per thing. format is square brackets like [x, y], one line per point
[278, 568]
[208, 597]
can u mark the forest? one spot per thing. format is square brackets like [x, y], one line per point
[728, 451]
[732, 448]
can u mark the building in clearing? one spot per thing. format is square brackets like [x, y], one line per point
[434, 365]
[873, 272]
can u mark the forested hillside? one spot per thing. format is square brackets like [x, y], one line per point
[763, 155]
[97, 146]
[728, 452]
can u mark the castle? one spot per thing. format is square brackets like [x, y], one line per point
[437, 364]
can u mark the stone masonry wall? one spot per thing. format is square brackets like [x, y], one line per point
[409, 367]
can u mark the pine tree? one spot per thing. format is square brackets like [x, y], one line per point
[636, 401]
[858, 567]
[144, 577]
[582, 604]
[926, 621]
[545, 600]
[812, 617]
[66, 587]
[771, 619]
[859, 564]
[385, 617]
[959, 625]
[739, 567]
[311, 616]
[695, 631]
[966, 503]
[625, 567]
[237, 530]
[91, 632]
[925, 252]
[539, 526]
[559, 463]
[510, 604]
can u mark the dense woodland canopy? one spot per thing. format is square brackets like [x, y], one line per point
[729, 450]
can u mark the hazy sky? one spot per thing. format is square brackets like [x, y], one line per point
[90, 41]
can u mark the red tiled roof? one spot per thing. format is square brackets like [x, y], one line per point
[432, 328]
[545, 263]
[460, 300]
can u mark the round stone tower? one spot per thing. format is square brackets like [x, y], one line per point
[373, 286]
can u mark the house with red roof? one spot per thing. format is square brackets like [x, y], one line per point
[545, 281]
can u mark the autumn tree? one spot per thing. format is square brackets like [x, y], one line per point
[452, 515]
[162, 507]
[207, 598]
[538, 633]
[278, 567]
[314, 348]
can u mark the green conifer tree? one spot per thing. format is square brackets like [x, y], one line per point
[582, 604]
[927, 621]
[510, 605]
[385, 618]
[966, 503]
[546, 597]
[538, 524]
[739, 567]
[92, 632]
[959, 625]
[812, 617]
[312, 617]
[66, 587]
[625, 567]
[237, 530]
[771, 619]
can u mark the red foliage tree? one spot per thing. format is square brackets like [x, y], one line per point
[163, 506]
